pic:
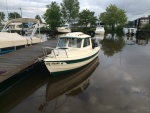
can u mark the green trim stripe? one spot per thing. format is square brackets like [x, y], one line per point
[66, 72]
[75, 61]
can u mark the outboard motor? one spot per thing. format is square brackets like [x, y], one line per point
[94, 43]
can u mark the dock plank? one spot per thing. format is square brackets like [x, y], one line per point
[15, 62]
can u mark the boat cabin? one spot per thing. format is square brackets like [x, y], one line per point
[73, 44]
[74, 40]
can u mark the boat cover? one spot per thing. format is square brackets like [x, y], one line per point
[14, 39]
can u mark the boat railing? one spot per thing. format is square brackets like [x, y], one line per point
[46, 51]
[34, 30]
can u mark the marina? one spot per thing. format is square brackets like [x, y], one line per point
[72, 56]
[118, 79]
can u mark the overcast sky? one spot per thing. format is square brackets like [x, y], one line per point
[134, 8]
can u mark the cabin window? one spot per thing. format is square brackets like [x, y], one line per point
[75, 42]
[62, 42]
[86, 42]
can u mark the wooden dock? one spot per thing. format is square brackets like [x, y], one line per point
[17, 61]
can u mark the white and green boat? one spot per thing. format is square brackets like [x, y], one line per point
[73, 51]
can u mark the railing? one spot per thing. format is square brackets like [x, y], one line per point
[53, 49]
[34, 30]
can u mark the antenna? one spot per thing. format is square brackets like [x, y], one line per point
[37, 8]
[7, 8]
[14, 9]
[125, 6]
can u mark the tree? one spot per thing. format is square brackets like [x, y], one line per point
[86, 17]
[39, 18]
[131, 23]
[113, 16]
[70, 9]
[13, 15]
[2, 16]
[52, 15]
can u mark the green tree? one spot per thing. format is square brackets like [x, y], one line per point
[13, 15]
[39, 18]
[52, 15]
[70, 9]
[113, 16]
[131, 23]
[86, 17]
[2, 16]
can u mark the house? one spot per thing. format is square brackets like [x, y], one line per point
[141, 22]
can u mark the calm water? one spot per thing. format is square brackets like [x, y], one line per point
[115, 82]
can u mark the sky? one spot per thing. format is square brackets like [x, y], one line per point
[30, 8]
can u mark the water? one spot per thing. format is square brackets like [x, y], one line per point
[116, 82]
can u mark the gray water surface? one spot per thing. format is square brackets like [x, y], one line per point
[115, 82]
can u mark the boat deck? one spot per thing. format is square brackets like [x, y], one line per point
[17, 61]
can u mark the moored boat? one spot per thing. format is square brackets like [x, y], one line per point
[100, 30]
[13, 38]
[64, 29]
[73, 51]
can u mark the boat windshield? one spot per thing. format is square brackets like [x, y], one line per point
[75, 42]
[69, 42]
[62, 42]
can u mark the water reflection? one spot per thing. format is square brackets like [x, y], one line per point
[68, 85]
[132, 40]
[113, 87]
[99, 37]
[112, 44]
[29, 90]
[129, 40]
[142, 40]
[16, 95]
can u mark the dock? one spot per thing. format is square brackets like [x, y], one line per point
[14, 62]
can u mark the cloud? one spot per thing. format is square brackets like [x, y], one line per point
[134, 8]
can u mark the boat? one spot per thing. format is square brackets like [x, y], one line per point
[100, 30]
[100, 37]
[1, 27]
[73, 51]
[129, 30]
[11, 39]
[64, 29]
[15, 27]
[72, 83]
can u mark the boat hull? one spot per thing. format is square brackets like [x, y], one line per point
[60, 67]
[100, 30]
[63, 30]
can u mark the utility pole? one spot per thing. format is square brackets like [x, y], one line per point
[20, 11]
[7, 7]
[0, 17]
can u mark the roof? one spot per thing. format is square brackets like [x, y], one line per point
[24, 20]
[15, 23]
[76, 35]
[143, 18]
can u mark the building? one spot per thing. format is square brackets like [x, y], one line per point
[141, 22]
